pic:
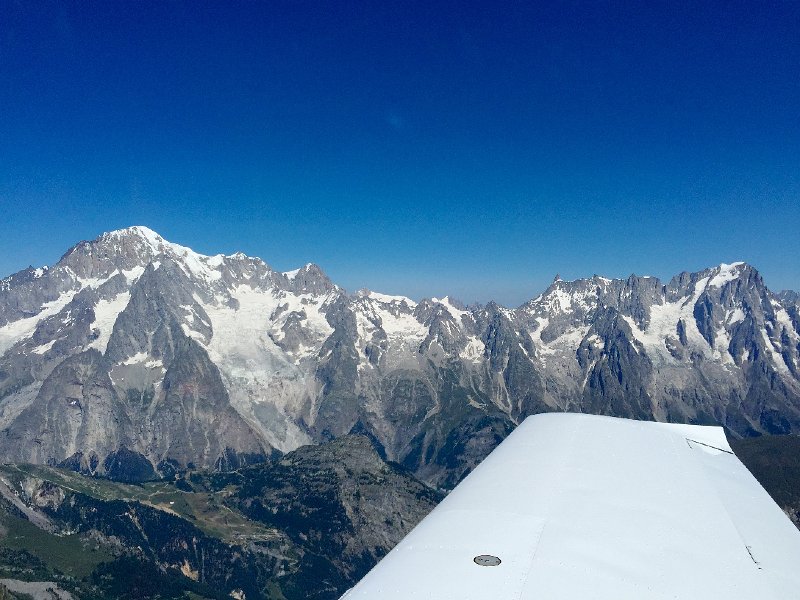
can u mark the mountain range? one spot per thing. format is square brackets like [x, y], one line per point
[136, 358]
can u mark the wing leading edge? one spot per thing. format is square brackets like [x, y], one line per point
[576, 506]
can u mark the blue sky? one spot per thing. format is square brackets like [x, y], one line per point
[464, 148]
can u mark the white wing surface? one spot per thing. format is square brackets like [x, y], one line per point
[580, 507]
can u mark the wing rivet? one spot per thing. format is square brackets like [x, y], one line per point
[486, 560]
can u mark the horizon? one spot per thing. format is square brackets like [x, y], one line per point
[424, 150]
[664, 280]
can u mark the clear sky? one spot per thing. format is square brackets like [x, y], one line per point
[427, 148]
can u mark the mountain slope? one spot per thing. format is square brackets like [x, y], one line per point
[134, 354]
[307, 526]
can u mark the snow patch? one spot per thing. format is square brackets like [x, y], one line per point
[559, 301]
[475, 349]
[455, 312]
[596, 341]
[735, 316]
[136, 359]
[722, 342]
[536, 337]
[777, 358]
[144, 359]
[196, 264]
[403, 325]
[191, 262]
[290, 275]
[387, 299]
[313, 318]
[44, 347]
[151, 237]
[92, 282]
[215, 261]
[195, 335]
[132, 275]
[725, 274]
[664, 319]
[106, 313]
[394, 315]
[785, 321]
[13, 332]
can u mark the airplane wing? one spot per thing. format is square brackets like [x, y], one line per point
[581, 507]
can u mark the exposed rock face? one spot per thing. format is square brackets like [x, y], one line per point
[75, 409]
[341, 503]
[133, 342]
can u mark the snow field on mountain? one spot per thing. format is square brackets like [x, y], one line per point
[106, 313]
[403, 331]
[663, 324]
[16, 331]
[455, 312]
[240, 343]
[191, 262]
[388, 299]
[255, 369]
[475, 349]
[314, 318]
[558, 301]
[726, 273]
[560, 350]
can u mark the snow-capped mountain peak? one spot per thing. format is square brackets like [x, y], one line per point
[137, 342]
[725, 273]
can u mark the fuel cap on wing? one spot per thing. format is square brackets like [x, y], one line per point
[486, 560]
